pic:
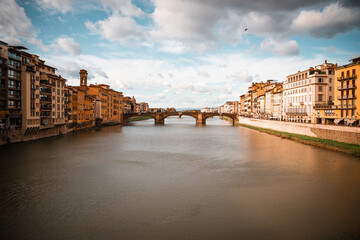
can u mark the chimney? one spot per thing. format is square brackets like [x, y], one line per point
[325, 61]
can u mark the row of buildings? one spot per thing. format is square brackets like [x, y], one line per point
[33, 97]
[324, 94]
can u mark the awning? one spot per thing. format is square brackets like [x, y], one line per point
[338, 120]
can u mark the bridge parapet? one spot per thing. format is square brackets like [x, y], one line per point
[200, 117]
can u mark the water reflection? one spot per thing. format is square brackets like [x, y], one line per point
[177, 181]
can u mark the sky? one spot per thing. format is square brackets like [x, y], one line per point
[183, 53]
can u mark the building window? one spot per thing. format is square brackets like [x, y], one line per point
[320, 80]
[320, 88]
[330, 88]
[320, 97]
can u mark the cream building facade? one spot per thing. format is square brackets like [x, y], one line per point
[303, 90]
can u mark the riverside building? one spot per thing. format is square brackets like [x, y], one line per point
[96, 102]
[345, 110]
[273, 98]
[304, 90]
[31, 94]
[10, 86]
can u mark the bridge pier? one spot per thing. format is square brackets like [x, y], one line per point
[200, 120]
[235, 121]
[159, 120]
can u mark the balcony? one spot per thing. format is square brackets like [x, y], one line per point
[340, 79]
[46, 83]
[45, 99]
[347, 107]
[44, 108]
[15, 86]
[16, 67]
[346, 97]
[14, 56]
[296, 113]
[3, 62]
[15, 96]
[45, 90]
[346, 87]
[14, 107]
[15, 77]
[325, 106]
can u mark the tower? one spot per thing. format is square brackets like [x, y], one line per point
[83, 79]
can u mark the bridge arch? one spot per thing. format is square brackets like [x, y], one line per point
[134, 115]
[194, 115]
[233, 116]
[199, 117]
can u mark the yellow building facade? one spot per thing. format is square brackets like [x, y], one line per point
[345, 110]
[98, 101]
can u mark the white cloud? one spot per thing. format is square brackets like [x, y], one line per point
[68, 45]
[175, 47]
[118, 28]
[241, 76]
[184, 20]
[229, 75]
[15, 26]
[280, 47]
[124, 6]
[334, 19]
[204, 74]
[201, 26]
[62, 6]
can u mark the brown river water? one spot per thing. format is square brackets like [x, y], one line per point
[177, 181]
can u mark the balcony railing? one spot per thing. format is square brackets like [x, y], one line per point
[14, 56]
[45, 90]
[346, 78]
[325, 106]
[296, 113]
[45, 99]
[45, 82]
[15, 86]
[346, 97]
[17, 67]
[345, 87]
[44, 108]
[347, 107]
[15, 96]
[14, 106]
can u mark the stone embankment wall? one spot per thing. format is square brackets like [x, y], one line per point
[332, 132]
[16, 135]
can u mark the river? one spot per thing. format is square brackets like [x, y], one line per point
[177, 181]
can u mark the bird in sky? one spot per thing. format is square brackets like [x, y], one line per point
[246, 29]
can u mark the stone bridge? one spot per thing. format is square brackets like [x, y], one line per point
[200, 117]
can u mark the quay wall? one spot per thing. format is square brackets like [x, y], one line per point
[8, 136]
[332, 132]
[17, 135]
